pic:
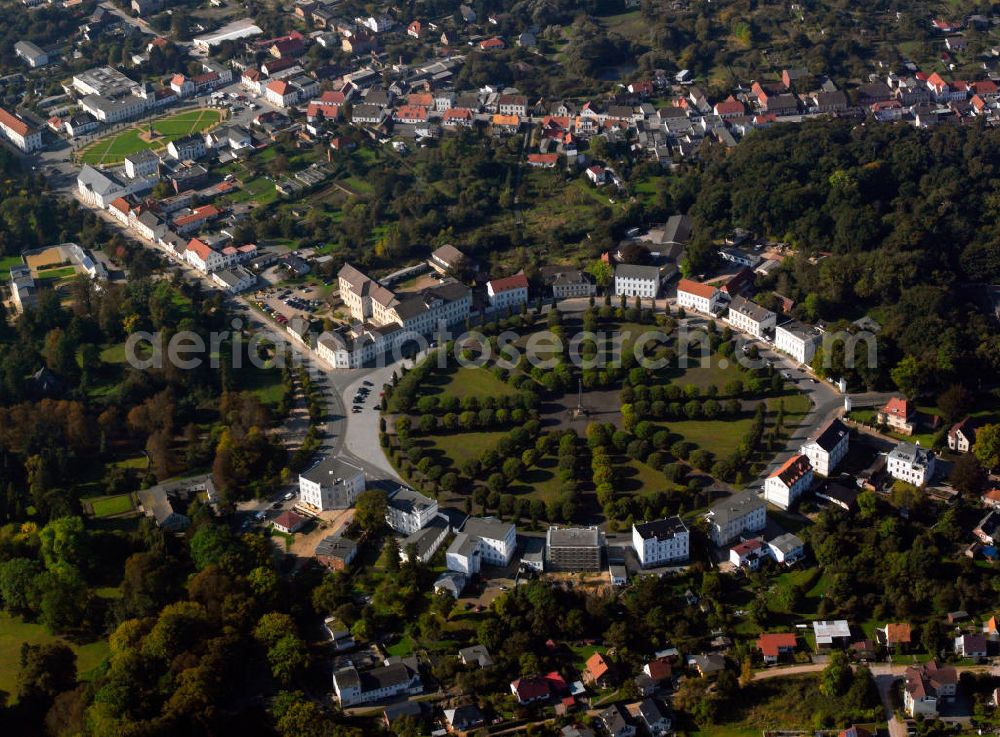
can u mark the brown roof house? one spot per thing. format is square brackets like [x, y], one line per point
[895, 637]
[600, 671]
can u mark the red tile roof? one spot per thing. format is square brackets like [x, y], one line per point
[14, 123]
[121, 204]
[772, 643]
[529, 689]
[547, 159]
[278, 86]
[597, 666]
[897, 407]
[518, 281]
[288, 520]
[747, 546]
[897, 634]
[696, 288]
[793, 470]
[411, 112]
[659, 669]
[458, 113]
[729, 106]
[201, 248]
[985, 87]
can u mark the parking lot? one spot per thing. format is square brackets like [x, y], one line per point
[363, 398]
[284, 304]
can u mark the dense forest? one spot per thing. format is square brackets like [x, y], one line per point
[889, 221]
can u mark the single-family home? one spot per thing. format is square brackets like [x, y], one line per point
[787, 548]
[749, 554]
[773, 645]
[530, 690]
[831, 633]
[789, 481]
[654, 716]
[599, 671]
[475, 655]
[962, 436]
[897, 415]
[896, 637]
[289, 522]
[615, 722]
[352, 687]
[467, 718]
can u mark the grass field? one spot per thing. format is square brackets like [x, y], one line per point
[14, 632]
[108, 506]
[114, 149]
[63, 272]
[462, 446]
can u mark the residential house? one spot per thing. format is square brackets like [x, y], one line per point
[828, 447]
[451, 583]
[729, 108]
[467, 718]
[926, 686]
[155, 502]
[338, 633]
[634, 280]
[749, 554]
[530, 690]
[352, 687]
[597, 175]
[897, 415]
[424, 543]
[707, 665]
[991, 498]
[962, 436]
[289, 522]
[188, 148]
[142, 164]
[475, 655]
[120, 209]
[615, 722]
[775, 644]
[203, 257]
[831, 633]
[741, 513]
[482, 540]
[512, 105]
[655, 717]
[34, 56]
[749, 317]
[797, 339]
[336, 552]
[661, 541]
[23, 290]
[408, 511]
[787, 548]
[566, 283]
[24, 136]
[789, 481]
[448, 260]
[910, 463]
[895, 637]
[508, 293]
[147, 224]
[331, 483]
[692, 295]
[988, 528]
[600, 671]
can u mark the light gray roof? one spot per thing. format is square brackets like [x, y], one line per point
[800, 330]
[489, 528]
[735, 506]
[425, 538]
[574, 537]
[140, 156]
[825, 630]
[409, 500]
[29, 49]
[451, 581]
[463, 545]
[787, 543]
[336, 546]
[637, 271]
[911, 454]
[751, 309]
[329, 470]
[476, 654]
[96, 180]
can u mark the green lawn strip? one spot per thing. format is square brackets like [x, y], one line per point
[108, 506]
[265, 384]
[61, 272]
[14, 632]
[541, 481]
[6, 263]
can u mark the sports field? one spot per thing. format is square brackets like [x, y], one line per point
[114, 149]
